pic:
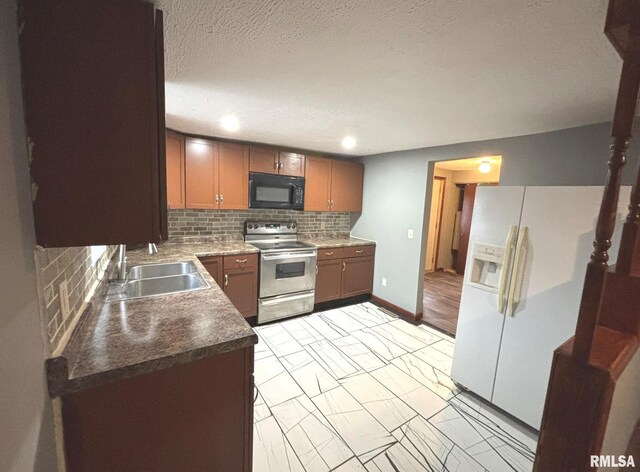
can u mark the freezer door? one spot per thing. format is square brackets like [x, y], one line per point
[480, 322]
[559, 223]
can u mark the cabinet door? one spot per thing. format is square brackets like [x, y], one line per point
[234, 176]
[357, 276]
[318, 184]
[90, 96]
[292, 164]
[214, 267]
[263, 160]
[241, 286]
[346, 186]
[328, 280]
[201, 174]
[175, 170]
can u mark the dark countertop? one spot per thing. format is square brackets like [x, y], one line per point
[123, 339]
[322, 242]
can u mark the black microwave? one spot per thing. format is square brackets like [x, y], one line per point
[276, 191]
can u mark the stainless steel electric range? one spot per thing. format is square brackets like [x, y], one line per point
[287, 269]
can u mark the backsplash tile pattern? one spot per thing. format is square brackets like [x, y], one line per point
[80, 268]
[230, 223]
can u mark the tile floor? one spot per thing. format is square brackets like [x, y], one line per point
[357, 389]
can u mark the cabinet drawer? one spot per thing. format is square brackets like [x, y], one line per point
[329, 253]
[240, 261]
[358, 251]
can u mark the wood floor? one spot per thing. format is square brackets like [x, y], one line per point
[441, 300]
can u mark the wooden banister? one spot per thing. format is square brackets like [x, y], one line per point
[586, 368]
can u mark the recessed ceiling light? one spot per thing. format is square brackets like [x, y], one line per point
[230, 122]
[484, 167]
[349, 142]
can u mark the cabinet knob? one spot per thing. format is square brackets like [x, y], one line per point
[316, 270]
[226, 279]
[241, 261]
[328, 253]
[344, 266]
[359, 251]
[221, 198]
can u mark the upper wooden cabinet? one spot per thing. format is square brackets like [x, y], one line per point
[272, 161]
[217, 175]
[175, 170]
[201, 174]
[92, 92]
[234, 176]
[333, 185]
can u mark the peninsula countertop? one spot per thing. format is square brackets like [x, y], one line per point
[117, 340]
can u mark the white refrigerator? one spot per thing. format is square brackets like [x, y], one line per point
[528, 251]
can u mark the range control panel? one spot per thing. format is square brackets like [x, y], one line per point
[270, 227]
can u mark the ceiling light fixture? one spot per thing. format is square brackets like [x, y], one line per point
[230, 122]
[484, 167]
[349, 142]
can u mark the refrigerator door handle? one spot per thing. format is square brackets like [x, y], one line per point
[518, 272]
[502, 292]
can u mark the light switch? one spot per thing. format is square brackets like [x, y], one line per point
[410, 233]
[384, 281]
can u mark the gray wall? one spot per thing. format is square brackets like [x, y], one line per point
[26, 431]
[396, 183]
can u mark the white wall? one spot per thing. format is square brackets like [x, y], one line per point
[395, 185]
[26, 431]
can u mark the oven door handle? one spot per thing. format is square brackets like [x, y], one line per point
[288, 255]
[281, 298]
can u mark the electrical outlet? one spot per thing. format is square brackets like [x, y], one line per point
[410, 233]
[384, 281]
[63, 293]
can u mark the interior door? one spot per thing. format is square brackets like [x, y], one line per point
[234, 176]
[480, 323]
[201, 174]
[263, 160]
[465, 226]
[560, 224]
[317, 192]
[346, 186]
[291, 164]
[435, 215]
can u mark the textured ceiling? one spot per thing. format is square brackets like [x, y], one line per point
[396, 74]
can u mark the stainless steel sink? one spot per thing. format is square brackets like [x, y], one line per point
[157, 279]
[150, 271]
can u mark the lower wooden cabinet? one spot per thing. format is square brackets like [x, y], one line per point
[237, 275]
[344, 272]
[190, 417]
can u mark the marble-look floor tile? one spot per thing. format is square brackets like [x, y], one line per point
[359, 429]
[333, 361]
[316, 443]
[379, 344]
[409, 390]
[396, 459]
[352, 465]
[261, 350]
[437, 359]
[444, 346]
[399, 337]
[274, 383]
[359, 353]
[414, 331]
[427, 375]
[260, 408]
[338, 320]
[388, 409]
[279, 340]
[308, 373]
[271, 450]
[302, 331]
[367, 314]
[329, 332]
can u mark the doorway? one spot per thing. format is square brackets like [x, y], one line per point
[451, 212]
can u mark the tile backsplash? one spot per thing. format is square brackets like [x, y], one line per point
[81, 268]
[230, 223]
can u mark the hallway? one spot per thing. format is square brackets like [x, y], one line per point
[441, 300]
